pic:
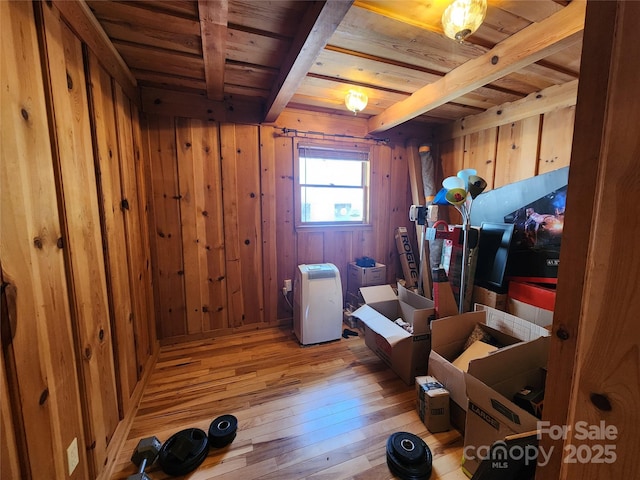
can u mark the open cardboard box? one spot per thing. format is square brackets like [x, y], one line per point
[449, 334]
[406, 353]
[491, 383]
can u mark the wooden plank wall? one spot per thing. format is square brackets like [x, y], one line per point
[78, 330]
[234, 259]
[593, 360]
[77, 194]
[39, 351]
[514, 151]
[110, 191]
[205, 282]
[241, 192]
[166, 240]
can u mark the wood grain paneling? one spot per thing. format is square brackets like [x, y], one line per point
[452, 157]
[363, 243]
[10, 467]
[268, 207]
[240, 152]
[217, 317]
[81, 220]
[114, 238]
[337, 249]
[286, 246]
[170, 103]
[310, 247]
[202, 233]
[511, 154]
[480, 153]
[380, 206]
[166, 238]
[32, 257]
[517, 151]
[251, 179]
[593, 360]
[556, 139]
[146, 283]
[190, 170]
[452, 161]
[400, 200]
[136, 254]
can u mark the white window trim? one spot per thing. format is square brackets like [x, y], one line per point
[339, 225]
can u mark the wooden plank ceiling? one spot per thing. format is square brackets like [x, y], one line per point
[308, 54]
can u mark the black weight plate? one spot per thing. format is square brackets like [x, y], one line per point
[420, 470]
[408, 448]
[222, 431]
[184, 451]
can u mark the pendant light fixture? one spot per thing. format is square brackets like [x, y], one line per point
[355, 101]
[463, 17]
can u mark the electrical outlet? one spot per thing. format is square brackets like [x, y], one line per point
[287, 285]
[72, 455]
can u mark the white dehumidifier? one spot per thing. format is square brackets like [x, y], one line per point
[317, 303]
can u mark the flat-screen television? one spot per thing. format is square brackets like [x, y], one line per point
[492, 255]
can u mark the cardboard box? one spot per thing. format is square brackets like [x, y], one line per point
[354, 300]
[534, 314]
[408, 260]
[365, 276]
[492, 299]
[406, 353]
[491, 388]
[432, 402]
[448, 336]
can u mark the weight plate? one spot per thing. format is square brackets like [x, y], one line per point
[415, 469]
[222, 431]
[408, 448]
[184, 451]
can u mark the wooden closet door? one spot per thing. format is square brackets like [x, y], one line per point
[31, 253]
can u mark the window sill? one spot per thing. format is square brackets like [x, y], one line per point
[347, 227]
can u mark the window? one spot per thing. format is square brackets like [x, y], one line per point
[333, 185]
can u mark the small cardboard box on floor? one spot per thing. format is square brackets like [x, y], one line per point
[406, 353]
[432, 403]
[449, 335]
[496, 379]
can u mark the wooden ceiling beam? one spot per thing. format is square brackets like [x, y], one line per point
[536, 103]
[521, 49]
[160, 101]
[320, 21]
[213, 30]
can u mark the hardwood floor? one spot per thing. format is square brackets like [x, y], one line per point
[317, 412]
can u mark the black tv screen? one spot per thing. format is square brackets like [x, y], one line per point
[492, 256]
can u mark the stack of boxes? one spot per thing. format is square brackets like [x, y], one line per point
[364, 272]
[495, 394]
